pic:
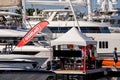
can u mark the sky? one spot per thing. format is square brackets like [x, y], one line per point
[81, 8]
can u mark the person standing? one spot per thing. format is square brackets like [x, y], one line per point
[115, 56]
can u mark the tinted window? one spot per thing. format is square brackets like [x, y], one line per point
[95, 30]
[59, 29]
[83, 29]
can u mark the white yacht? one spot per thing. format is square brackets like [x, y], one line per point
[16, 62]
[12, 29]
[36, 49]
[11, 33]
[108, 13]
[9, 39]
[23, 69]
[61, 20]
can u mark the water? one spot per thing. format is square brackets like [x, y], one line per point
[109, 78]
[78, 77]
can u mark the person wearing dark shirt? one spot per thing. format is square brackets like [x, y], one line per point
[115, 56]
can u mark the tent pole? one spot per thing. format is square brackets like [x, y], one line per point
[95, 55]
[84, 66]
[51, 53]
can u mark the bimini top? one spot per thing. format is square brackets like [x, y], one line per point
[57, 2]
[10, 3]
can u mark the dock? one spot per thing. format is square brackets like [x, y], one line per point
[80, 74]
[91, 74]
[71, 65]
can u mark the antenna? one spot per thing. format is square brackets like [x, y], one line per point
[74, 14]
[89, 10]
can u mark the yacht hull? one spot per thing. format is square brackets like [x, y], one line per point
[110, 63]
[26, 75]
[39, 60]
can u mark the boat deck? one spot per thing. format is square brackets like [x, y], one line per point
[79, 71]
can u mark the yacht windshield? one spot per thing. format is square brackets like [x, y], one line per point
[83, 29]
[95, 30]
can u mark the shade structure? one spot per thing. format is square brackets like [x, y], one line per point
[73, 36]
[57, 2]
[10, 3]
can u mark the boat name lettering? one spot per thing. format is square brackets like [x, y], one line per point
[35, 30]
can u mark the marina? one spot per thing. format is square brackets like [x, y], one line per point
[56, 44]
[80, 75]
[94, 74]
[62, 20]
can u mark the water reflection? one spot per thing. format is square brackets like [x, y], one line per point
[109, 78]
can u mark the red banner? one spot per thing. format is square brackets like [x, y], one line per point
[30, 34]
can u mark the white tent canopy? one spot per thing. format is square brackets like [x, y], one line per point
[73, 36]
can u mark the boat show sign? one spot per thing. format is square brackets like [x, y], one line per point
[31, 33]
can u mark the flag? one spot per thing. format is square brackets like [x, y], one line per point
[30, 34]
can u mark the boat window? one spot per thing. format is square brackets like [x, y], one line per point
[110, 13]
[15, 40]
[83, 29]
[112, 21]
[3, 41]
[118, 21]
[35, 40]
[118, 13]
[106, 20]
[59, 29]
[95, 20]
[8, 40]
[43, 43]
[103, 44]
[95, 30]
